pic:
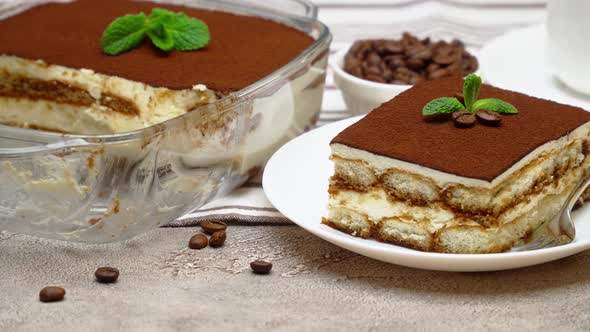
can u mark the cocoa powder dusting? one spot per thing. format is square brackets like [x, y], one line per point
[243, 49]
[397, 130]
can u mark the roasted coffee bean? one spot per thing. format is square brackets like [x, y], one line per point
[412, 51]
[488, 118]
[261, 267]
[444, 59]
[351, 62]
[423, 54]
[106, 275]
[415, 63]
[455, 68]
[358, 72]
[373, 59]
[211, 227]
[394, 61]
[409, 40]
[198, 241]
[356, 46]
[471, 65]
[217, 239]
[463, 119]
[361, 48]
[438, 117]
[52, 294]
[404, 70]
[444, 49]
[439, 73]
[460, 97]
[375, 78]
[432, 67]
[402, 77]
[387, 74]
[373, 70]
[391, 47]
[380, 60]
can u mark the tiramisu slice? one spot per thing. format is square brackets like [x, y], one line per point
[54, 75]
[432, 186]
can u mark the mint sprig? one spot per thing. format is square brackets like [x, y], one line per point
[471, 89]
[167, 31]
[495, 105]
[124, 34]
[442, 105]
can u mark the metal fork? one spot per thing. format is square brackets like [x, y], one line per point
[560, 229]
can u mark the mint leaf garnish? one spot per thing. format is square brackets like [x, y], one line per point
[471, 89]
[124, 34]
[495, 105]
[160, 36]
[188, 33]
[158, 13]
[442, 105]
[166, 29]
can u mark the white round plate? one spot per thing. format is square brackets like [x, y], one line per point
[296, 182]
[518, 61]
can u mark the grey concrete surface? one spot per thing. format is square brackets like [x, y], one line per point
[313, 286]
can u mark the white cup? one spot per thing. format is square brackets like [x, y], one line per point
[568, 27]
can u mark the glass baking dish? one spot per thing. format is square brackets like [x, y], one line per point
[104, 188]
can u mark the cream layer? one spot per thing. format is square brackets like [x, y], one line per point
[154, 104]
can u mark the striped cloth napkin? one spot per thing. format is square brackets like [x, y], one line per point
[473, 21]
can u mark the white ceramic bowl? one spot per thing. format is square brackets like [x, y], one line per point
[361, 96]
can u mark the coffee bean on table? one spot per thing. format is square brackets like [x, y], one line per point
[106, 275]
[211, 227]
[463, 119]
[198, 241]
[52, 294]
[261, 267]
[217, 239]
[488, 118]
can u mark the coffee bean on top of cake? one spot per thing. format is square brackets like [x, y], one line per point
[408, 60]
